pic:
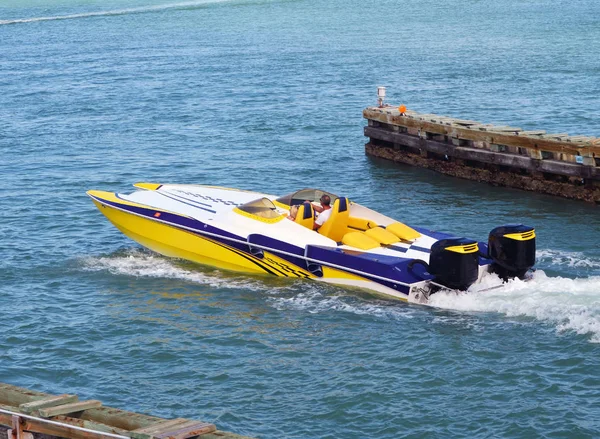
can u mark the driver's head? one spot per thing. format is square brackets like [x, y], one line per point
[325, 200]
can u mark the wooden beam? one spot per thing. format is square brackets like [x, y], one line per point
[119, 418]
[485, 156]
[547, 143]
[500, 129]
[69, 408]
[99, 423]
[90, 425]
[532, 133]
[61, 431]
[50, 401]
[173, 429]
[15, 396]
[195, 428]
[159, 426]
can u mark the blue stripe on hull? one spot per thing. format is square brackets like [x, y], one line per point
[389, 267]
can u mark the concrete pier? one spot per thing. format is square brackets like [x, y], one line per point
[555, 164]
[27, 414]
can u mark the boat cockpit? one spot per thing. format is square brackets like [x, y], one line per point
[262, 209]
[299, 197]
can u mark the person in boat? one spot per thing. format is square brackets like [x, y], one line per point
[324, 211]
[293, 213]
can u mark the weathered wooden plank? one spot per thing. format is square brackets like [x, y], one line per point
[557, 136]
[195, 429]
[69, 408]
[501, 129]
[545, 144]
[580, 139]
[60, 431]
[50, 401]
[159, 426]
[485, 156]
[479, 126]
[15, 396]
[90, 425]
[102, 420]
[446, 120]
[119, 418]
[532, 133]
[466, 122]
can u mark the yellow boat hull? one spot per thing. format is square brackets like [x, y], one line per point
[178, 242]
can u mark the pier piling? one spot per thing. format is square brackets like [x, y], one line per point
[555, 164]
[27, 414]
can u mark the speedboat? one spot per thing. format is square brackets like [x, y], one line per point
[251, 232]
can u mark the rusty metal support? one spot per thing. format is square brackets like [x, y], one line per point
[16, 432]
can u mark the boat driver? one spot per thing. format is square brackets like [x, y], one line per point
[293, 213]
[324, 211]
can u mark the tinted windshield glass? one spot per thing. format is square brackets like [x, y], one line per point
[263, 207]
[303, 195]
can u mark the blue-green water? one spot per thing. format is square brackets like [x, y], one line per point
[267, 95]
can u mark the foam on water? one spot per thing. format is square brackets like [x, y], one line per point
[248, 94]
[566, 258]
[140, 263]
[569, 304]
[312, 297]
[113, 12]
[317, 298]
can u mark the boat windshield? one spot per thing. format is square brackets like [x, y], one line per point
[301, 196]
[263, 208]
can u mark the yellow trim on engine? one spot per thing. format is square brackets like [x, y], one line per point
[524, 236]
[464, 249]
[258, 218]
[148, 186]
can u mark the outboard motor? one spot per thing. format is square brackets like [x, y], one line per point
[512, 248]
[455, 262]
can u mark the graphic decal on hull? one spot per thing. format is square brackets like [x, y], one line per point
[287, 268]
[206, 197]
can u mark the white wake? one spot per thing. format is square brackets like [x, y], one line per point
[141, 263]
[567, 259]
[568, 304]
[113, 12]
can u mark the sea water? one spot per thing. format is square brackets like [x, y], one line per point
[267, 96]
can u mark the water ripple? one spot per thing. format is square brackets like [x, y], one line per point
[267, 95]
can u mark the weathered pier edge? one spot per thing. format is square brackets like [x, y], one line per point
[554, 164]
[27, 414]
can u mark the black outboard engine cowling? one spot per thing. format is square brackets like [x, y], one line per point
[455, 262]
[512, 248]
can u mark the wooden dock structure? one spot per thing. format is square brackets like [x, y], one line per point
[27, 414]
[554, 164]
